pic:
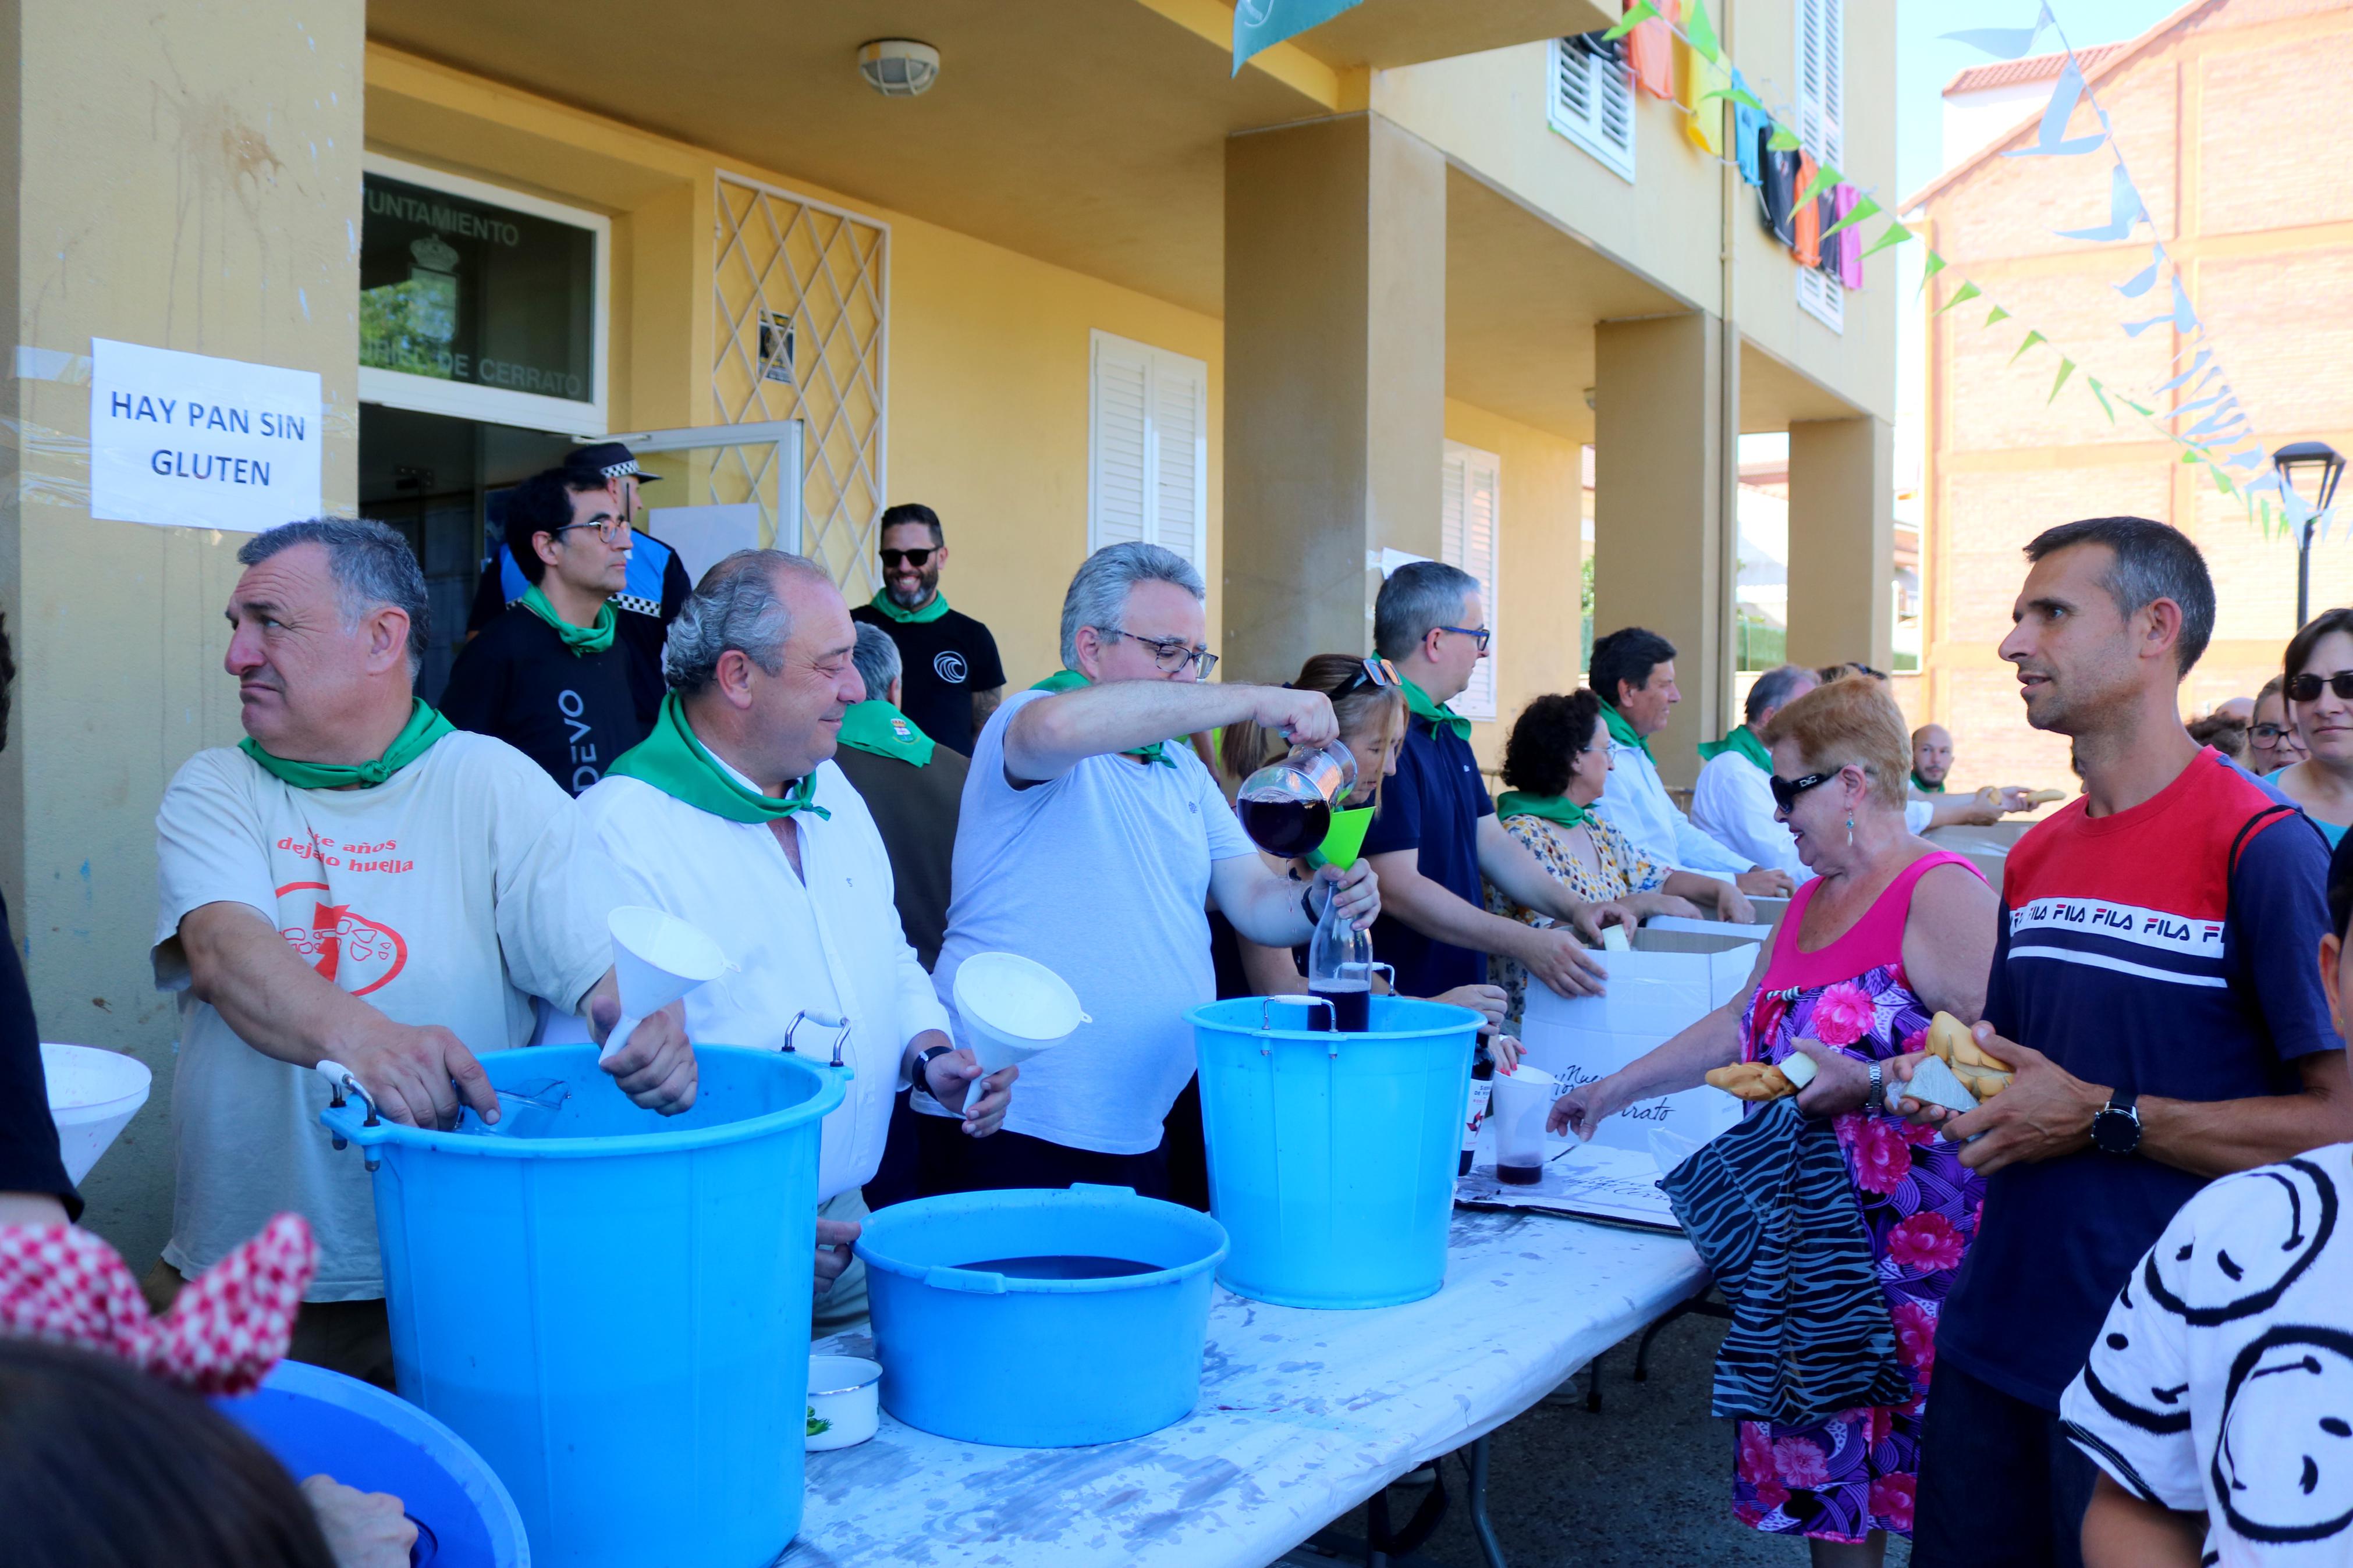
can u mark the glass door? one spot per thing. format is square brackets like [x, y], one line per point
[725, 487]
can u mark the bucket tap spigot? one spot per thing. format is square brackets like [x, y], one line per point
[340, 1083]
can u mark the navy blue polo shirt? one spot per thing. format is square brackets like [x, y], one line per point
[1432, 805]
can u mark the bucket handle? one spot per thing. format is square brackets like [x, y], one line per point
[1266, 1019]
[822, 1021]
[342, 1082]
[971, 1281]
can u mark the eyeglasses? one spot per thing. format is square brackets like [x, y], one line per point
[1170, 654]
[612, 531]
[1481, 633]
[1374, 672]
[2306, 687]
[1786, 791]
[890, 558]
[2267, 734]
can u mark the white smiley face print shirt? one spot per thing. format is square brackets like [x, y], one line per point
[2222, 1381]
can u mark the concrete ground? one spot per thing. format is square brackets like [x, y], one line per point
[1646, 1483]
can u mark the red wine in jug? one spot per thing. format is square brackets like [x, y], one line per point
[1352, 1003]
[1282, 825]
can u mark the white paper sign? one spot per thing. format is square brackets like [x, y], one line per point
[186, 440]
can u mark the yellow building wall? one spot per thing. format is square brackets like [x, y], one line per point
[990, 351]
[1537, 621]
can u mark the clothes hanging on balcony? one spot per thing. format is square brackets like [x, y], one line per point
[1806, 223]
[1750, 129]
[1651, 50]
[1848, 240]
[1777, 191]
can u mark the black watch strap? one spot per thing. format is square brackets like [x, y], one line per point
[2116, 1126]
[1307, 904]
[924, 1065]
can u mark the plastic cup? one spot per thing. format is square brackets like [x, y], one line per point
[1521, 1100]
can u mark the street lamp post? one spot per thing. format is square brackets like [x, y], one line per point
[2310, 470]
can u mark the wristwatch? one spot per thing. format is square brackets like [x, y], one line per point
[924, 1065]
[2116, 1126]
[1875, 1099]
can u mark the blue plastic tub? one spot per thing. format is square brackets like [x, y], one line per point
[1037, 1358]
[322, 1422]
[1331, 1157]
[612, 1306]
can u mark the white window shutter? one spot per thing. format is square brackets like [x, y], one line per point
[1592, 99]
[1469, 529]
[1821, 109]
[1148, 448]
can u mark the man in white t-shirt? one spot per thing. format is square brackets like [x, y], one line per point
[358, 882]
[1090, 840]
[731, 816]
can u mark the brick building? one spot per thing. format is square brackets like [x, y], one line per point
[2228, 114]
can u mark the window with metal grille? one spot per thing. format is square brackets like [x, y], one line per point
[1593, 98]
[1148, 448]
[1822, 111]
[1468, 528]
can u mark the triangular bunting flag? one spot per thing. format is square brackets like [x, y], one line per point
[2050, 141]
[1961, 296]
[2125, 210]
[1699, 33]
[2032, 338]
[1864, 207]
[2140, 281]
[1641, 12]
[1897, 235]
[1995, 315]
[2102, 394]
[1824, 178]
[2067, 369]
[2004, 43]
[1783, 140]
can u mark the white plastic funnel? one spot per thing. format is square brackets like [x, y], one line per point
[657, 958]
[1013, 1007]
[93, 1095]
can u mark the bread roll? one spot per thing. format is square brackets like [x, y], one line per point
[1752, 1081]
[2045, 796]
[1981, 1074]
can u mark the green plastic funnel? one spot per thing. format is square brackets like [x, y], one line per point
[1346, 838]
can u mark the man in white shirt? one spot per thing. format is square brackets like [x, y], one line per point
[731, 816]
[1090, 840]
[358, 882]
[1733, 801]
[1634, 672]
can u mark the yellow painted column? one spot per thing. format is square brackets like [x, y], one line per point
[1658, 549]
[184, 175]
[1336, 380]
[1841, 541]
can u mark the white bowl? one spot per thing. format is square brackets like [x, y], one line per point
[93, 1095]
[843, 1390]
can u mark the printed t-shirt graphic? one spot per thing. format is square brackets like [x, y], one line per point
[451, 894]
[2166, 949]
[571, 713]
[942, 662]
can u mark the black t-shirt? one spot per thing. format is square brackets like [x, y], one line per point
[947, 661]
[915, 811]
[1432, 806]
[571, 713]
[29, 1160]
[654, 570]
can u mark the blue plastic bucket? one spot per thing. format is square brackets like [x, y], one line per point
[612, 1306]
[322, 1422]
[1331, 1157]
[1038, 1358]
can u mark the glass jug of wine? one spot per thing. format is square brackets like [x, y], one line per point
[1286, 806]
[1340, 968]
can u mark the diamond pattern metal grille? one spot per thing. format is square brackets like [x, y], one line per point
[828, 272]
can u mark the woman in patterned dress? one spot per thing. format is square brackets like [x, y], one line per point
[1891, 931]
[1556, 760]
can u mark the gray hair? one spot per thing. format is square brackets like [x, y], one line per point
[2153, 561]
[877, 658]
[1098, 593]
[1774, 688]
[736, 606]
[373, 567]
[1417, 596]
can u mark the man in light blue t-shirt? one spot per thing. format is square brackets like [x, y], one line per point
[1090, 841]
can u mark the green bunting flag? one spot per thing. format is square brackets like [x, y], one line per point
[1783, 140]
[2137, 408]
[1897, 235]
[1634, 18]
[2032, 338]
[1864, 207]
[2102, 394]
[1961, 296]
[1935, 264]
[1824, 179]
[1739, 95]
[1699, 33]
[2067, 369]
[1996, 314]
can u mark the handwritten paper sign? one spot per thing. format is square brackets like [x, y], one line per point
[184, 440]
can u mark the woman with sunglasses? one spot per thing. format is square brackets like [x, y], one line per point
[1557, 762]
[1891, 932]
[1370, 706]
[2318, 684]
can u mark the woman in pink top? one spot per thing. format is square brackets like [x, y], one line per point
[1891, 932]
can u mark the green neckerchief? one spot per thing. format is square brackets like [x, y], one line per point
[1071, 680]
[1924, 787]
[1742, 740]
[934, 608]
[581, 640]
[1437, 714]
[678, 764]
[1551, 807]
[424, 726]
[875, 726]
[1623, 733]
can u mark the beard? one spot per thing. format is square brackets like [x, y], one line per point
[923, 590]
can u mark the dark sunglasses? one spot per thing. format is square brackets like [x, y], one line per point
[2306, 687]
[1374, 672]
[1786, 791]
[890, 558]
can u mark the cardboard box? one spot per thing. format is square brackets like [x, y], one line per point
[1668, 982]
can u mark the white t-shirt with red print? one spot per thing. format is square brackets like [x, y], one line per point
[451, 894]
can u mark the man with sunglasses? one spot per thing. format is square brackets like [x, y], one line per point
[551, 676]
[953, 677]
[1091, 840]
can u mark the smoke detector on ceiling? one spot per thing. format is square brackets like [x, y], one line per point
[899, 67]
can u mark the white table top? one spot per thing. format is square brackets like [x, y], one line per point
[1302, 1416]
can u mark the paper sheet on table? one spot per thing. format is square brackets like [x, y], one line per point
[1584, 1181]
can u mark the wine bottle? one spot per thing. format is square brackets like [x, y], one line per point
[1483, 1086]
